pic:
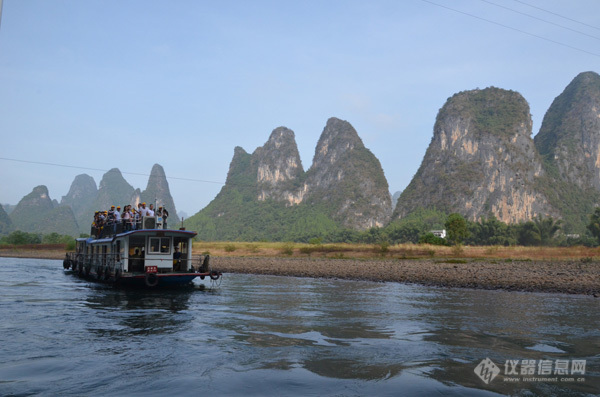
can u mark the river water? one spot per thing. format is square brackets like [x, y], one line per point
[267, 335]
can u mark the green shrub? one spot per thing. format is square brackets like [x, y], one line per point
[287, 249]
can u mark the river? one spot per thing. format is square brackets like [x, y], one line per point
[268, 335]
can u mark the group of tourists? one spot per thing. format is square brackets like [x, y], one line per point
[129, 219]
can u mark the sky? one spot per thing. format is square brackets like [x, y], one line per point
[87, 86]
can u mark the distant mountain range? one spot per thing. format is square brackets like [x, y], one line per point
[37, 213]
[481, 161]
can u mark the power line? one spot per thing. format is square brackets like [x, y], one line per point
[540, 19]
[512, 28]
[103, 170]
[558, 15]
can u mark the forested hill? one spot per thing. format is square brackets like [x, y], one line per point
[269, 196]
[481, 161]
[569, 143]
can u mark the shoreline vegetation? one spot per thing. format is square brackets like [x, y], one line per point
[572, 270]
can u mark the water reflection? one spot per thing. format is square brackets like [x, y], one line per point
[127, 313]
[470, 326]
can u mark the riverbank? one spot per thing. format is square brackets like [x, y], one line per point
[572, 276]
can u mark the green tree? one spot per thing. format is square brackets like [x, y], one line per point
[20, 238]
[456, 227]
[594, 225]
[529, 234]
[547, 228]
[430, 238]
[491, 231]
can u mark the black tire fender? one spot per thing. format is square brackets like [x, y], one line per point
[151, 279]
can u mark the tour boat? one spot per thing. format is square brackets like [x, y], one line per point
[146, 256]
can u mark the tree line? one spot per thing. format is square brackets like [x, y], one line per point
[415, 228]
[23, 238]
[418, 226]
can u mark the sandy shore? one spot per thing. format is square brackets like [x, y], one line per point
[573, 277]
[564, 276]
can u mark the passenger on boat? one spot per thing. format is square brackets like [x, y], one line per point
[177, 259]
[133, 214]
[162, 212]
[101, 223]
[126, 218]
[96, 224]
[137, 262]
[150, 211]
[143, 210]
[110, 222]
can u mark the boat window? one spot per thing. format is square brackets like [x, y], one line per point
[160, 245]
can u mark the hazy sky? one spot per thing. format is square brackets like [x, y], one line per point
[127, 84]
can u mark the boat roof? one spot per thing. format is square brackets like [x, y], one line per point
[155, 232]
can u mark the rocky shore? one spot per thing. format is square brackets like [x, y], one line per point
[577, 276]
[572, 277]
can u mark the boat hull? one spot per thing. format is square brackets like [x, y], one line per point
[149, 280]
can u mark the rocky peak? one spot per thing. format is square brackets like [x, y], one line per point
[348, 178]
[158, 192]
[113, 190]
[337, 138]
[481, 160]
[569, 138]
[36, 213]
[37, 200]
[279, 168]
[238, 166]
[82, 192]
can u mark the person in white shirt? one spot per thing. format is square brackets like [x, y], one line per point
[143, 211]
[150, 211]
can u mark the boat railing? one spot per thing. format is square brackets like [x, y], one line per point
[101, 263]
[113, 227]
[112, 262]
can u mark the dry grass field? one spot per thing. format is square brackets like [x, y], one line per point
[399, 251]
[347, 251]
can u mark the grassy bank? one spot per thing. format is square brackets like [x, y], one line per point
[399, 251]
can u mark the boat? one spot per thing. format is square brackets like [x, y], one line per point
[142, 254]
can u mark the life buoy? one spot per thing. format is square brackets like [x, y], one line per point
[151, 279]
[214, 275]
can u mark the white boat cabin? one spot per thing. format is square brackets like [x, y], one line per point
[134, 251]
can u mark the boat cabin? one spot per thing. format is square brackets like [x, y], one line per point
[139, 251]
